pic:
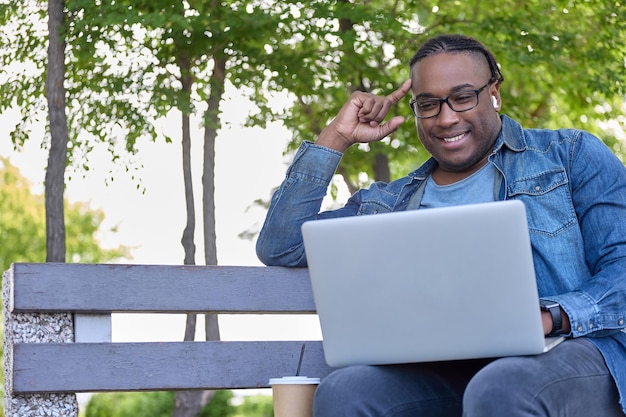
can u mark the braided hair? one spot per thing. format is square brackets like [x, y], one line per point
[457, 44]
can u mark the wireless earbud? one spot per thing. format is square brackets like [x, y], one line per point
[494, 100]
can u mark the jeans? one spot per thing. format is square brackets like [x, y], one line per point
[571, 380]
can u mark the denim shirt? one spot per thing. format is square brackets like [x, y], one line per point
[574, 191]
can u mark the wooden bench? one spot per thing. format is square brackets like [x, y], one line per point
[58, 331]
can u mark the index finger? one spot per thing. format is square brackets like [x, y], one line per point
[398, 94]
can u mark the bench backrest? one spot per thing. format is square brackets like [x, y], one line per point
[46, 302]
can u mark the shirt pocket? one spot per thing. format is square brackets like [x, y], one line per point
[373, 207]
[548, 201]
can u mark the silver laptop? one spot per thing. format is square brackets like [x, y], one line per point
[426, 285]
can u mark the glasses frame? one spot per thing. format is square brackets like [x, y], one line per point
[445, 100]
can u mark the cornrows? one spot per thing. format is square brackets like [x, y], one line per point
[457, 43]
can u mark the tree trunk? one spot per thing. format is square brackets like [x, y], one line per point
[187, 239]
[57, 158]
[211, 126]
[188, 242]
[188, 403]
[381, 167]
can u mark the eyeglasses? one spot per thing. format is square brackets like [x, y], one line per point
[424, 108]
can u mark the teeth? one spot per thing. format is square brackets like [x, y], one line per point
[455, 138]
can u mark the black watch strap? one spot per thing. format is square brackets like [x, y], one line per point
[555, 311]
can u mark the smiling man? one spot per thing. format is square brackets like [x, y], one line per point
[459, 131]
[574, 190]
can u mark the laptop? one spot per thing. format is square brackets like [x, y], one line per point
[426, 285]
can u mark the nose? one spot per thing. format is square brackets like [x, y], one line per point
[447, 116]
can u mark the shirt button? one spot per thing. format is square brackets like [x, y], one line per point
[620, 322]
[579, 328]
[537, 188]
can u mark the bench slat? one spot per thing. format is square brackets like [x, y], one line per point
[92, 288]
[97, 367]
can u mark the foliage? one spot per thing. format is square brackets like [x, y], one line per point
[103, 97]
[160, 404]
[151, 404]
[125, 62]
[121, 404]
[563, 63]
[255, 406]
[219, 406]
[555, 58]
[22, 225]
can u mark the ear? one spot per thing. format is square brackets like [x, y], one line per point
[495, 96]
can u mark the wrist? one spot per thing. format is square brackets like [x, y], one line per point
[331, 139]
[556, 314]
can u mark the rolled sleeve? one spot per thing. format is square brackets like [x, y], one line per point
[298, 199]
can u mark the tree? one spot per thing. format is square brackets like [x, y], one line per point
[556, 57]
[57, 157]
[194, 47]
[103, 100]
[184, 36]
[22, 225]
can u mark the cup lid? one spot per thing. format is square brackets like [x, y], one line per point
[294, 380]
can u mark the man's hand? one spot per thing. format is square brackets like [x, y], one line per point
[360, 120]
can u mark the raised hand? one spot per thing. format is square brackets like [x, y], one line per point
[360, 120]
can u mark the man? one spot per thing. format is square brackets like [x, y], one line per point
[574, 190]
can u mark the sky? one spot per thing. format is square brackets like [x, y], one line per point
[249, 164]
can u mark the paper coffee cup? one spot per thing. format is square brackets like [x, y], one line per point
[293, 395]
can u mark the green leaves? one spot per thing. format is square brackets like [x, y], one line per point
[129, 60]
[563, 63]
[23, 227]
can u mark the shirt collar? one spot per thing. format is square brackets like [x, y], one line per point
[511, 135]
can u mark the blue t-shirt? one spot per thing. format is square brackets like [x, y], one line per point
[477, 188]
